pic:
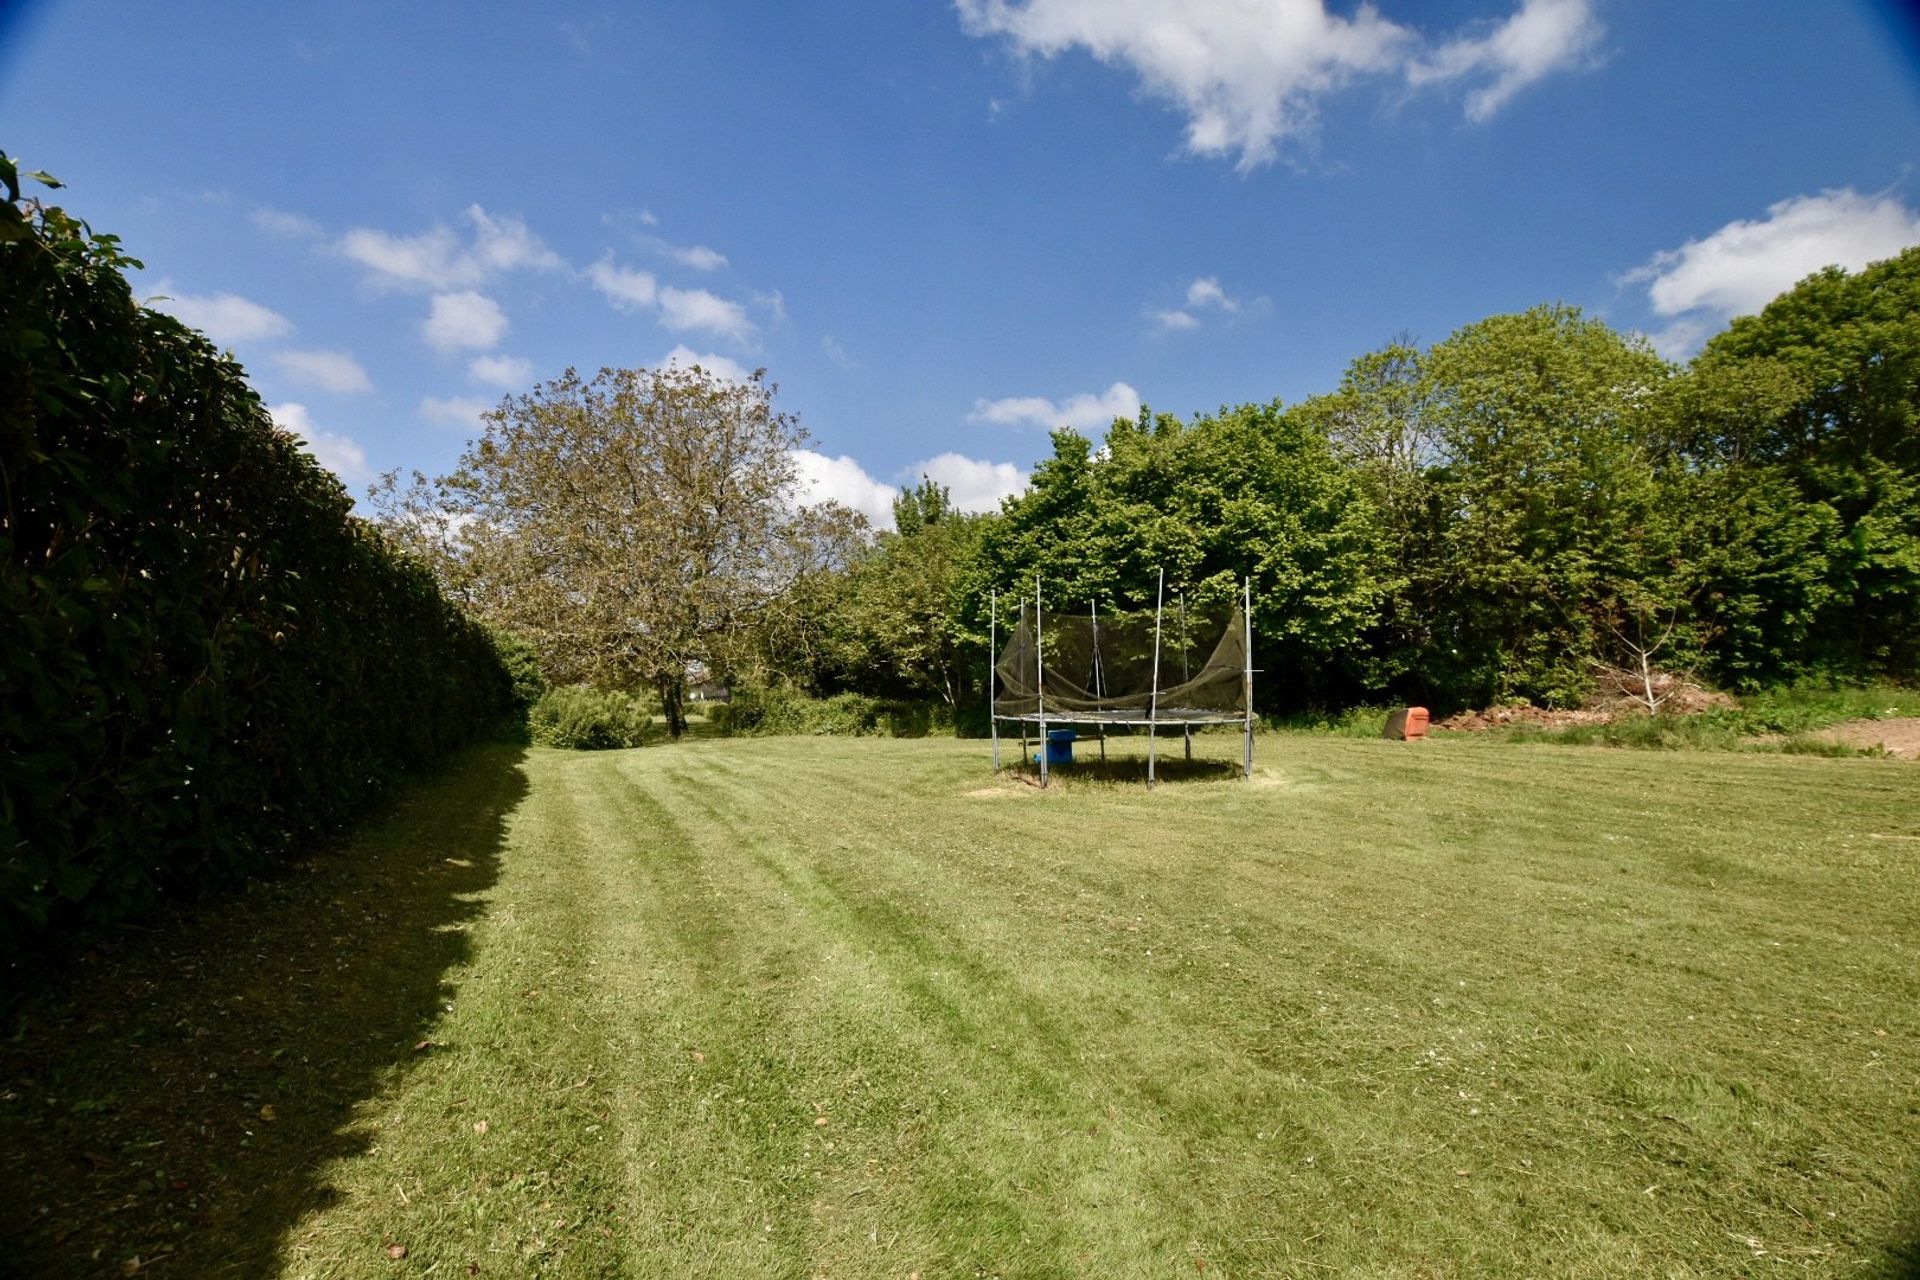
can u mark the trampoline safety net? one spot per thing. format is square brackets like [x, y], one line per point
[1100, 668]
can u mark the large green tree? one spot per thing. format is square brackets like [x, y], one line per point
[1250, 492]
[630, 525]
[1822, 388]
[1547, 504]
[897, 626]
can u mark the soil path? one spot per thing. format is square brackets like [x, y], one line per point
[1899, 736]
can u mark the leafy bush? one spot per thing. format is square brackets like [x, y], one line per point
[206, 659]
[582, 718]
[780, 710]
[1800, 707]
[1364, 721]
[522, 666]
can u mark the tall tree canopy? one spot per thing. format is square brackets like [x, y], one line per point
[633, 524]
[1250, 492]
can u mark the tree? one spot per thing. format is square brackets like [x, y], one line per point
[897, 621]
[1253, 492]
[1836, 361]
[1548, 499]
[630, 525]
[1380, 424]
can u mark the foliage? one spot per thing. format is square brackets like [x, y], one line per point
[629, 525]
[1362, 720]
[1838, 358]
[522, 665]
[1530, 504]
[1548, 512]
[1250, 492]
[780, 709]
[896, 627]
[582, 718]
[207, 659]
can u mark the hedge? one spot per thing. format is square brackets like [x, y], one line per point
[207, 658]
[582, 718]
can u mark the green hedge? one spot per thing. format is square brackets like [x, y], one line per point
[583, 718]
[206, 658]
[781, 710]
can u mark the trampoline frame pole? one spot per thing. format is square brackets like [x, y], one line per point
[993, 671]
[1186, 672]
[1040, 675]
[1153, 699]
[1246, 621]
[1099, 675]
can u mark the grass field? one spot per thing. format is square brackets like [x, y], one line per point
[850, 1008]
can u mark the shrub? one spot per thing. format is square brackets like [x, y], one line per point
[1362, 721]
[206, 659]
[522, 666]
[582, 718]
[780, 710]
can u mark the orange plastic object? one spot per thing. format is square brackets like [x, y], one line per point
[1409, 724]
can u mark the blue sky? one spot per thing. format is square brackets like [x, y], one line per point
[943, 228]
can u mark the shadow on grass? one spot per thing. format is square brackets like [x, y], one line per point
[177, 1096]
[1903, 1254]
[1127, 769]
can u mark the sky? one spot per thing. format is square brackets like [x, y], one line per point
[945, 228]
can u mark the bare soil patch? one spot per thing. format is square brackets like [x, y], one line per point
[1619, 697]
[1897, 736]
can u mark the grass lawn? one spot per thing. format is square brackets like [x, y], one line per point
[833, 1007]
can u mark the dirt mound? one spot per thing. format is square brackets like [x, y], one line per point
[1621, 694]
[1625, 692]
[1503, 717]
[1898, 736]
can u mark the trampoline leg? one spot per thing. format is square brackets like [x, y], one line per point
[1103, 744]
[1189, 744]
[1151, 740]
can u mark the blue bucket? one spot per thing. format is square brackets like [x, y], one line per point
[1060, 746]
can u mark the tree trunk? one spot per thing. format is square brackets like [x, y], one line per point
[673, 690]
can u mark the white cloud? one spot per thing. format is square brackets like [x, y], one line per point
[335, 371]
[719, 366]
[842, 480]
[837, 353]
[1250, 74]
[501, 371]
[679, 309]
[1202, 293]
[683, 309]
[1174, 320]
[1679, 340]
[1544, 36]
[440, 260]
[625, 288]
[503, 243]
[697, 257]
[227, 318]
[293, 226]
[455, 411]
[1083, 412]
[1206, 292]
[464, 321]
[337, 453]
[1743, 266]
[973, 483]
[430, 260]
